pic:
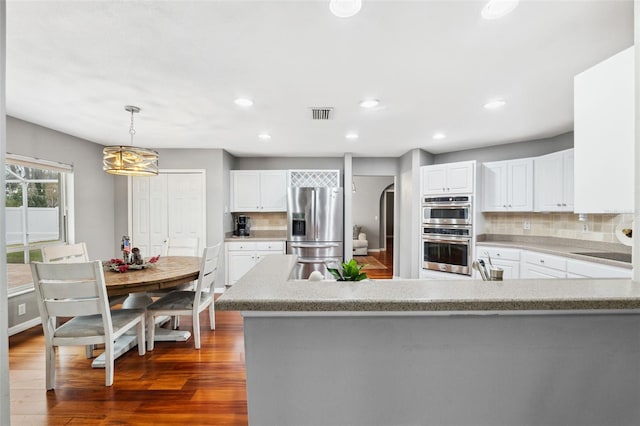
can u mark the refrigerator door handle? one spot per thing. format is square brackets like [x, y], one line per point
[310, 260]
[330, 245]
[316, 219]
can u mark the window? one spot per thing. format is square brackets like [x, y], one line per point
[36, 213]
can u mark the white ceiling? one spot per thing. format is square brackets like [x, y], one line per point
[73, 65]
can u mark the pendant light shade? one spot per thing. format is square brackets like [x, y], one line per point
[130, 160]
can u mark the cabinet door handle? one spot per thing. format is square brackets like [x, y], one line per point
[541, 261]
[559, 205]
[509, 205]
[564, 204]
[497, 254]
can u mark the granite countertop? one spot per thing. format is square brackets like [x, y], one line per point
[267, 287]
[277, 235]
[560, 247]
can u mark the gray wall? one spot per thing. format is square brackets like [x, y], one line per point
[94, 189]
[366, 206]
[286, 163]
[510, 151]
[376, 166]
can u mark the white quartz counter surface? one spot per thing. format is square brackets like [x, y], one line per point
[267, 287]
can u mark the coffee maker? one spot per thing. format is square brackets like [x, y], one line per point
[241, 226]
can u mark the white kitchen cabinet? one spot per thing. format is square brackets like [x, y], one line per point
[258, 190]
[518, 263]
[508, 259]
[243, 255]
[507, 185]
[604, 119]
[445, 179]
[584, 269]
[554, 182]
[540, 265]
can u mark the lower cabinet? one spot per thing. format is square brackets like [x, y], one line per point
[523, 264]
[506, 258]
[242, 256]
[539, 265]
[581, 269]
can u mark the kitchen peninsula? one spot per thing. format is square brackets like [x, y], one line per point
[430, 352]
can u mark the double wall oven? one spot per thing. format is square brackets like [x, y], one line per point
[447, 233]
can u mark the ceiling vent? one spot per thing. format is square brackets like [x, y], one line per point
[321, 113]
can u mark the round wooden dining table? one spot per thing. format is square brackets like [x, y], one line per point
[168, 272]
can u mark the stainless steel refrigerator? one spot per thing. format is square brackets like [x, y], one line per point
[314, 229]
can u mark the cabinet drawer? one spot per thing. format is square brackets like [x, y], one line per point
[498, 253]
[579, 268]
[546, 260]
[241, 246]
[270, 246]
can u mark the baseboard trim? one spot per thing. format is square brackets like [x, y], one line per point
[24, 326]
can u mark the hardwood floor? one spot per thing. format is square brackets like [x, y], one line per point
[173, 385]
[386, 258]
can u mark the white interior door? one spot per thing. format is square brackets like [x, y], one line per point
[186, 207]
[170, 205]
[157, 213]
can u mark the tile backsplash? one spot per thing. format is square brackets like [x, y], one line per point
[597, 227]
[275, 221]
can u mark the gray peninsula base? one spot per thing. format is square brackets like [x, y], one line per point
[443, 369]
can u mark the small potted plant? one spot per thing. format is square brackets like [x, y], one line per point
[349, 271]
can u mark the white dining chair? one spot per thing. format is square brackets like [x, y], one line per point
[178, 247]
[189, 302]
[65, 253]
[181, 247]
[78, 290]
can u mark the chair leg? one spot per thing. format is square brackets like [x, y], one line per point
[212, 315]
[175, 322]
[151, 331]
[88, 350]
[196, 328]
[108, 363]
[50, 370]
[142, 343]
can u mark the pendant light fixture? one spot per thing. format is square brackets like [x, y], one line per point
[130, 160]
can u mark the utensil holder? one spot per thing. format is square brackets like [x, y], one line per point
[495, 274]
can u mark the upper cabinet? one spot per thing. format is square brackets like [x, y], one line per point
[259, 190]
[554, 182]
[508, 185]
[445, 179]
[604, 136]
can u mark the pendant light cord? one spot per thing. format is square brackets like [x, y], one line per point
[132, 131]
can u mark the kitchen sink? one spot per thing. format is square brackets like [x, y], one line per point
[610, 255]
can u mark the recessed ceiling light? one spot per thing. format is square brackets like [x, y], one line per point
[369, 103]
[496, 9]
[439, 135]
[351, 136]
[494, 104]
[345, 8]
[264, 136]
[243, 102]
